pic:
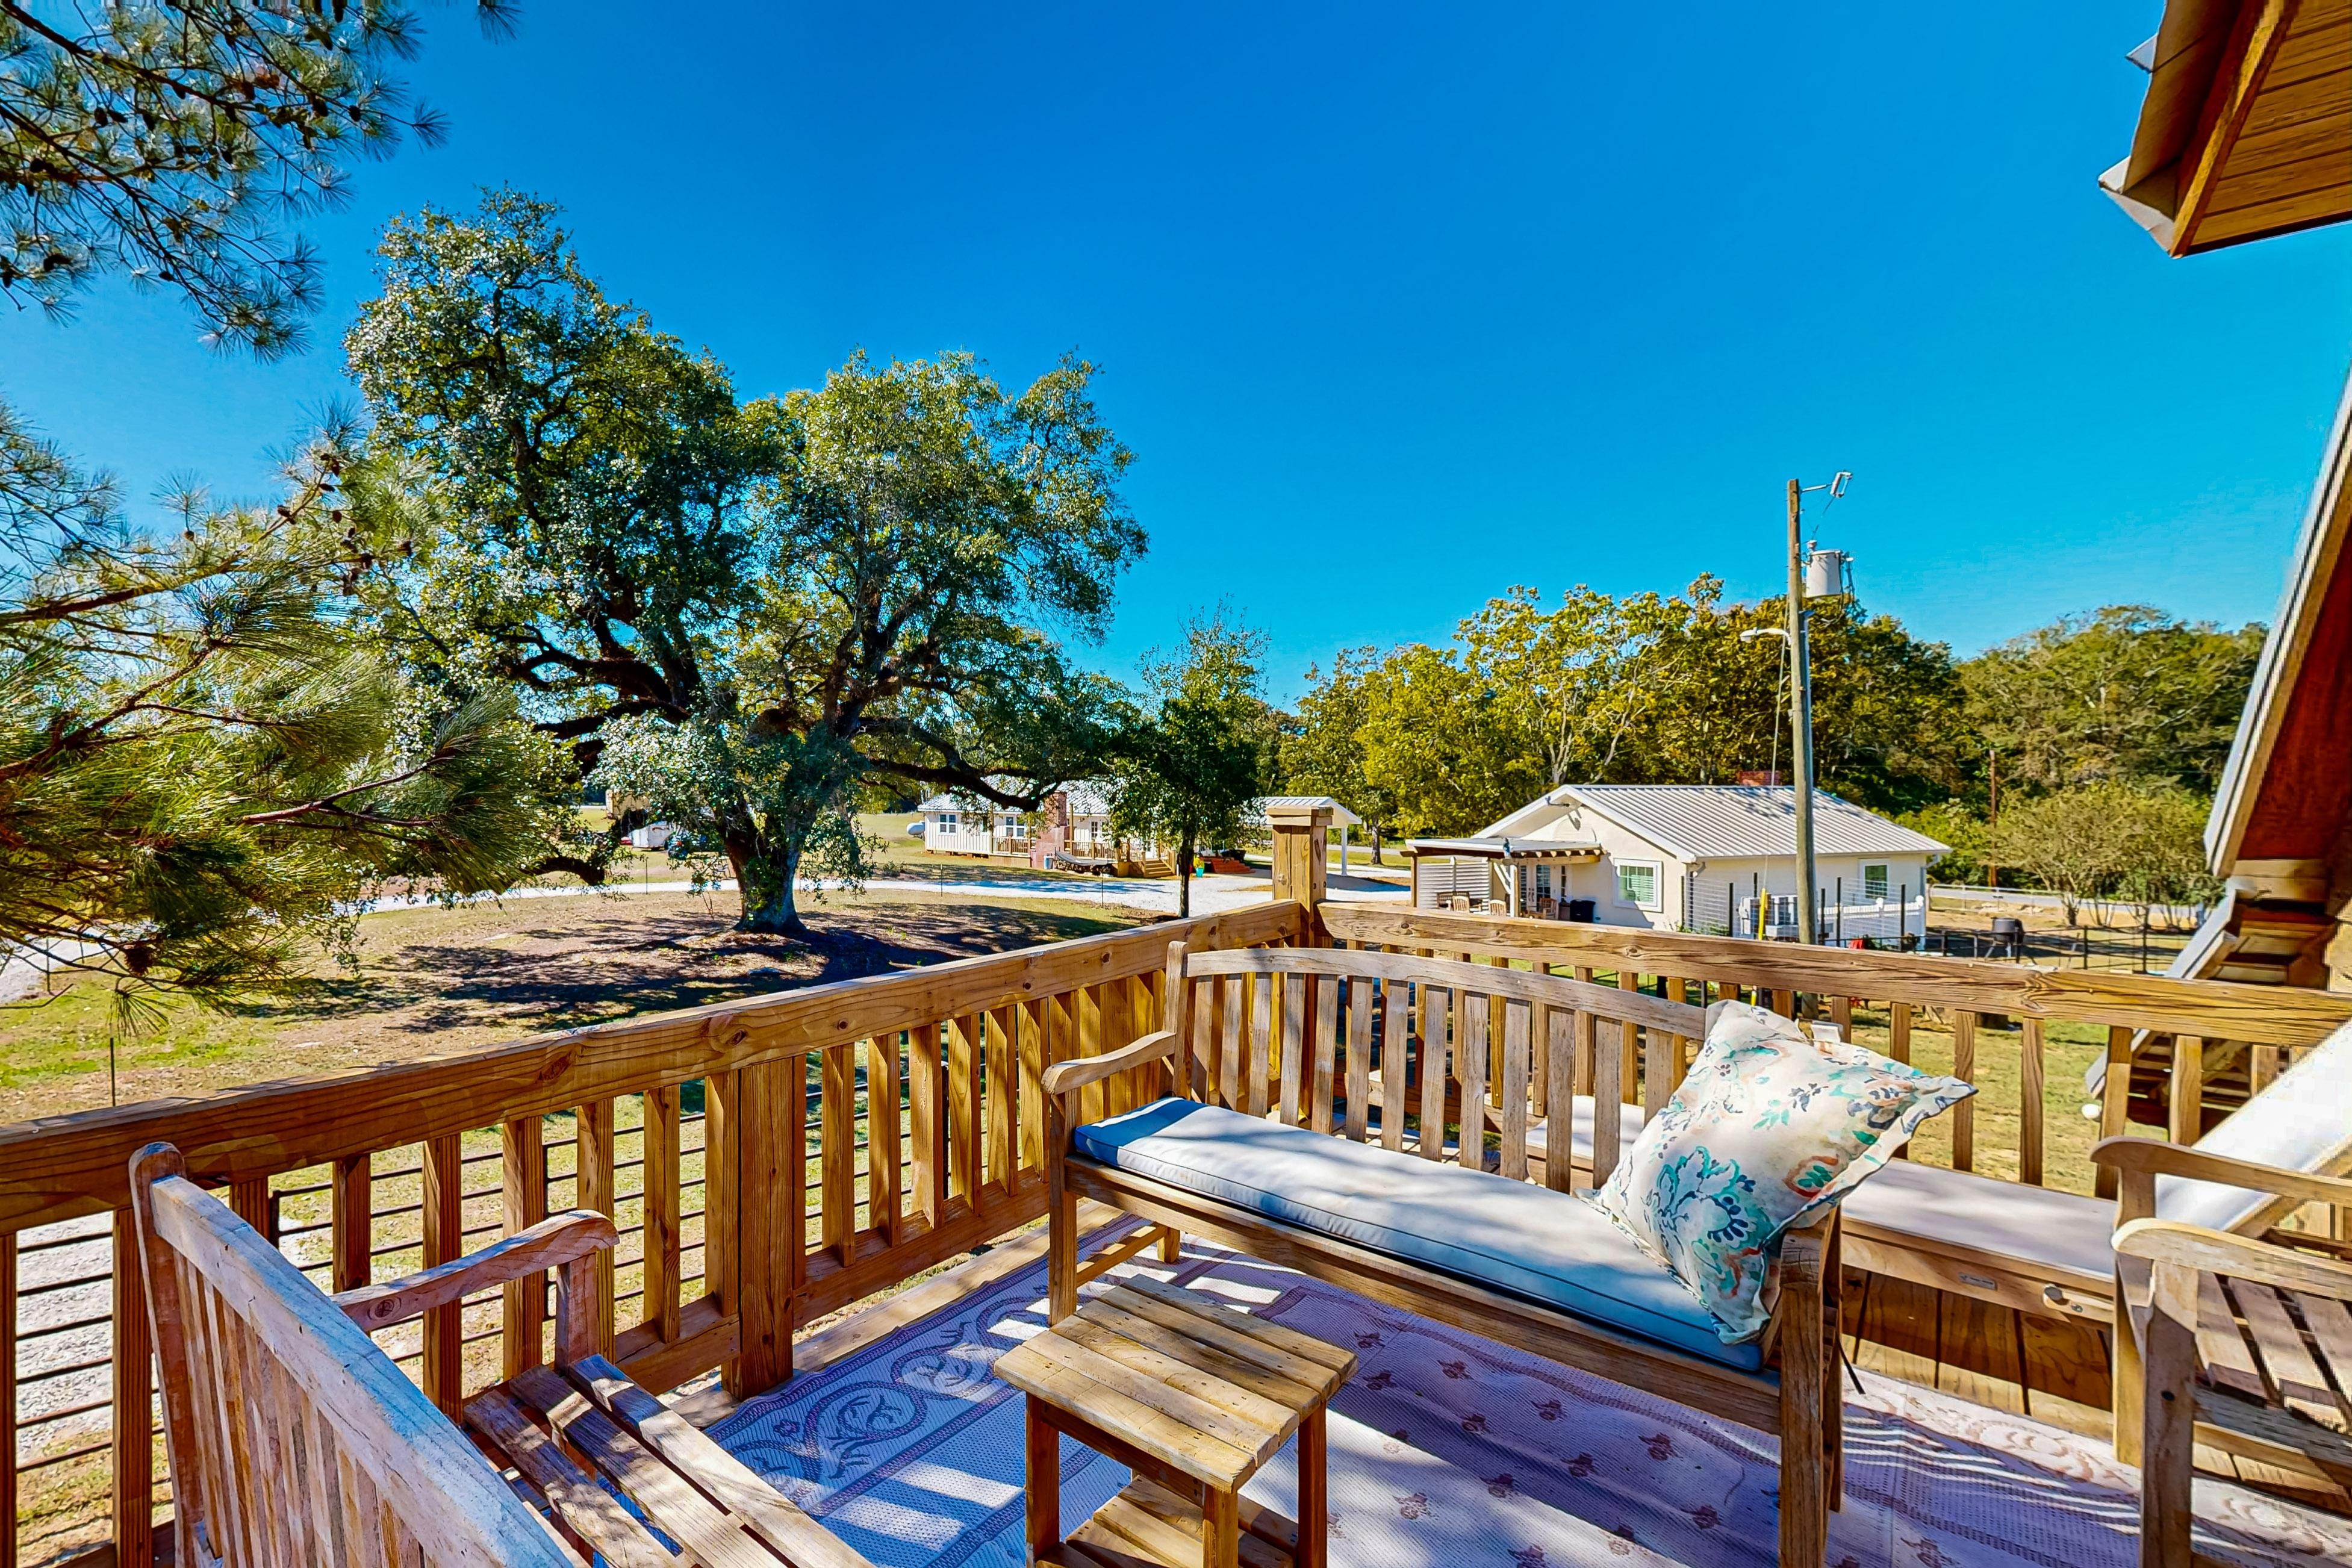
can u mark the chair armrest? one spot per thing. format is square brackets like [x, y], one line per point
[1064, 1077]
[2240, 1258]
[1809, 1251]
[552, 1242]
[2147, 1156]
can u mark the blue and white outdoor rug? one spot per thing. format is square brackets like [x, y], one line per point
[1448, 1450]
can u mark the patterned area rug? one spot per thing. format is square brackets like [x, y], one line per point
[1448, 1450]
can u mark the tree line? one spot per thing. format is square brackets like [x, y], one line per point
[2080, 756]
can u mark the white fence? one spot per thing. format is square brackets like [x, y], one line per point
[1725, 909]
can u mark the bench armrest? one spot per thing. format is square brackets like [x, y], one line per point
[2242, 1258]
[2148, 1158]
[554, 1241]
[1064, 1077]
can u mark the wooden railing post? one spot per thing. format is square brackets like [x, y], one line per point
[770, 1208]
[134, 1395]
[444, 1178]
[351, 1233]
[1301, 859]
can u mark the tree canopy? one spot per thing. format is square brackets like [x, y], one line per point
[173, 143]
[1202, 748]
[2126, 693]
[738, 613]
[200, 767]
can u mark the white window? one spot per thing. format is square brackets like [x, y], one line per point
[946, 822]
[1016, 826]
[1637, 883]
[1874, 881]
[1543, 881]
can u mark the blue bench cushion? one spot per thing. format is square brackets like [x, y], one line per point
[1541, 1246]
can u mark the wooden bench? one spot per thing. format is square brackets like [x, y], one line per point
[295, 1441]
[1277, 1046]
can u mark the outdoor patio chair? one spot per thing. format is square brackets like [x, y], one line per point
[2241, 1343]
[296, 1442]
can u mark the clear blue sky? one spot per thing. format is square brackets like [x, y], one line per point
[1401, 307]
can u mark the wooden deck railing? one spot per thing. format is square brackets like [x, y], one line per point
[768, 1160]
[1905, 996]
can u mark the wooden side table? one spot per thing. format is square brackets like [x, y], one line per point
[1193, 1397]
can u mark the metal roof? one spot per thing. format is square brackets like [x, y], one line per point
[1700, 822]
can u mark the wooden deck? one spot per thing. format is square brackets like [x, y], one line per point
[908, 1104]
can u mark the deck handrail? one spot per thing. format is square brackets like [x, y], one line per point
[917, 1135]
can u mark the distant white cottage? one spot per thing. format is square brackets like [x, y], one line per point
[1713, 858]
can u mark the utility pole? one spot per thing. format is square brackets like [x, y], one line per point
[1800, 715]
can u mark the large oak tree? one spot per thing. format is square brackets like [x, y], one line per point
[737, 614]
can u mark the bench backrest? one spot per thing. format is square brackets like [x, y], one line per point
[1366, 1044]
[293, 1439]
[2300, 1121]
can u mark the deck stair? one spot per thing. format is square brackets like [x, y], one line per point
[2249, 941]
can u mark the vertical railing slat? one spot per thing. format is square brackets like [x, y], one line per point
[1440, 1022]
[927, 1125]
[836, 1151]
[882, 1058]
[1560, 1098]
[597, 1188]
[722, 1214]
[1003, 1103]
[965, 1048]
[1292, 1047]
[1964, 1067]
[2186, 1102]
[1321, 1087]
[2030, 1108]
[522, 1188]
[1472, 1022]
[1518, 1047]
[664, 1158]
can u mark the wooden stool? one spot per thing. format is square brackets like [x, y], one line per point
[1191, 1395]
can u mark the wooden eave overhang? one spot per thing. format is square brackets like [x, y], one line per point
[1502, 848]
[2246, 131]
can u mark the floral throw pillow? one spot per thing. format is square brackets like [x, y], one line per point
[1771, 1125]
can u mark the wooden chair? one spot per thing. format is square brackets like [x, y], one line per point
[295, 1441]
[1279, 1045]
[2240, 1341]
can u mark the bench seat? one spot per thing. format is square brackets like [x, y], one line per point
[1541, 1246]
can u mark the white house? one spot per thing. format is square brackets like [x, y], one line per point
[1718, 859]
[1073, 823]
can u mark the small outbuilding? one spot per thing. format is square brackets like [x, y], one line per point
[1718, 859]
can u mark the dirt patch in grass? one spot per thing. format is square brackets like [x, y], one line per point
[433, 981]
